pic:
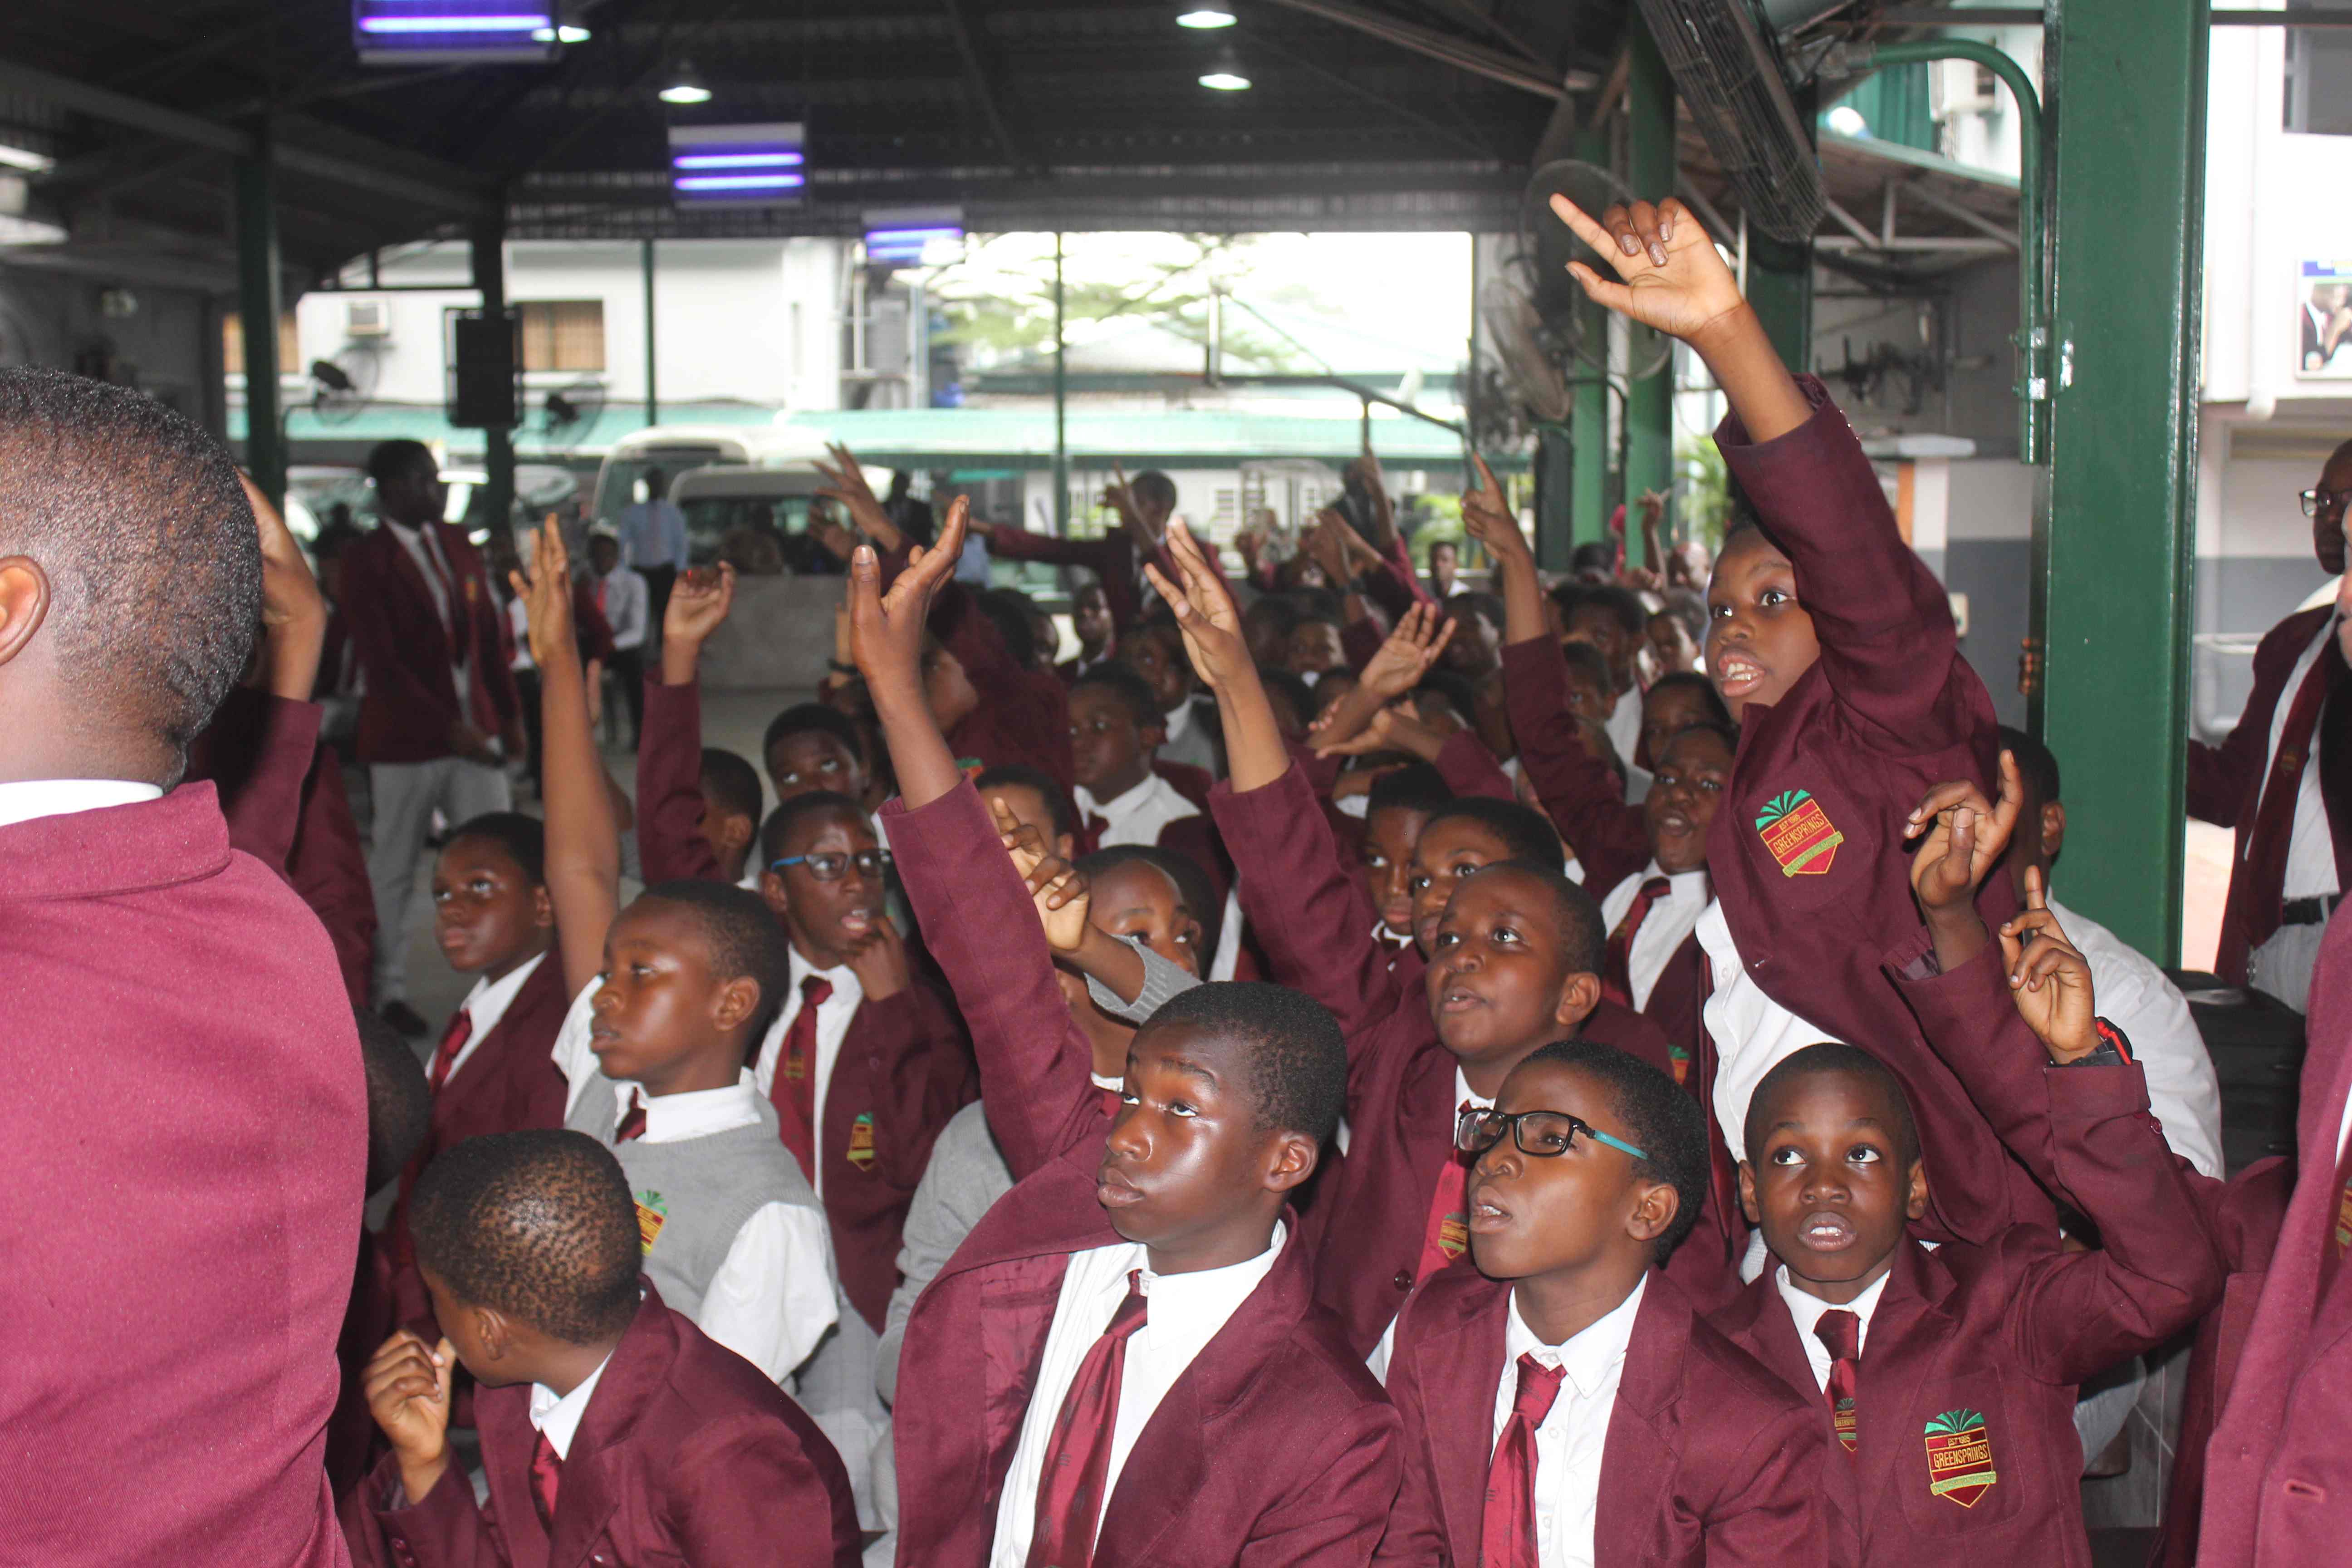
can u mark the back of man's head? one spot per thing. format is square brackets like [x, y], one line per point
[141, 532]
[537, 1226]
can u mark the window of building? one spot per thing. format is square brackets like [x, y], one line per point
[2319, 78]
[289, 345]
[562, 334]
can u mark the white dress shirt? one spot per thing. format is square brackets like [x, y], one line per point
[487, 1004]
[2311, 848]
[1806, 1309]
[2133, 994]
[622, 599]
[1183, 1312]
[557, 1415]
[1573, 1436]
[774, 1297]
[29, 798]
[1624, 725]
[1670, 919]
[1136, 816]
[833, 1020]
[1752, 1032]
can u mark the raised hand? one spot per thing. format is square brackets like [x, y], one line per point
[698, 604]
[547, 598]
[293, 611]
[1669, 274]
[1059, 889]
[878, 959]
[1120, 496]
[885, 630]
[2050, 979]
[1486, 518]
[1964, 837]
[846, 482]
[1389, 729]
[1405, 655]
[1205, 613]
[407, 1389]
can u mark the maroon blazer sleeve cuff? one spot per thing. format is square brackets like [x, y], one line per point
[1586, 800]
[669, 787]
[982, 931]
[1469, 768]
[445, 1531]
[1971, 1022]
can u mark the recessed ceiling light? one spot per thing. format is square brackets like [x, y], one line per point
[684, 86]
[1207, 14]
[1225, 74]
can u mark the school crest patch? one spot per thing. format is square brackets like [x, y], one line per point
[1959, 1457]
[652, 1214]
[860, 1151]
[2344, 1220]
[1799, 832]
[1679, 1059]
[1454, 1235]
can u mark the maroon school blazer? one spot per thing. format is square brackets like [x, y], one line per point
[1274, 1447]
[2278, 1472]
[687, 1454]
[2225, 782]
[1316, 923]
[187, 1168]
[1586, 800]
[1023, 714]
[905, 1067]
[405, 648]
[1889, 711]
[2003, 1331]
[1710, 1461]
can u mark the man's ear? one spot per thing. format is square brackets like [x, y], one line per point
[1916, 1193]
[24, 603]
[737, 1000]
[492, 1332]
[772, 894]
[1578, 998]
[735, 832]
[542, 908]
[1654, 1207]
[1748, 1205]
[2053, 830]
[1153, 737]
[1292, 1160]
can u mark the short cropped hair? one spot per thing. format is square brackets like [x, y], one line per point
[1278, 608]
[1416, 787]
[1677, 679]
[1723, 732]
[1689, 607]
[1486, 604]
[1454, 691]
[538, 1225]
[1593, 555]
[1833, 1057]
[1295, 1056]
[813, 802]
[806, 716]
[743, 940]
[1020, 775]
[524, 838]
[1620, 603]
[2036, 763]
[1133, 691]
[1583, 934]
[732, 782]
[1661, 1119]
[399, 1105]
[1523, 832]
[1192, 884]
[137, 518]
[385, 459]
[1154, 489]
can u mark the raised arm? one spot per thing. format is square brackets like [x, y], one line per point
[583, 844]
[670, 753]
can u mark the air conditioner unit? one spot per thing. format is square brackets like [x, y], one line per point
[1961, 87]
[367, 318]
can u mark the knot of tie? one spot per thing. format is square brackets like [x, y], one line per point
[1132, 1311]
[815, 991]
[1840, 1332]
[1538, 1389]
[1657, 888]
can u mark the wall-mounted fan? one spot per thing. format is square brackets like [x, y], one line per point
[568, 414]
[342, 386]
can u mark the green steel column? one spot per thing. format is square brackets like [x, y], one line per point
[2125, 87]
[1588, 501]
[1781, 286]
[1557, 471]
[258, 309]
[489, 258]
[1061, 405]
[653, 389]
[1650, 171]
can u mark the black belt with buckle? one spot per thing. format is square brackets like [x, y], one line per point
[2309, 911]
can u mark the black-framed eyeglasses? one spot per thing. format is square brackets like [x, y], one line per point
[831, 868]
[1544, 1134]
[2315, 501]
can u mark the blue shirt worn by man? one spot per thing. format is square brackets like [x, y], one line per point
[653, 533]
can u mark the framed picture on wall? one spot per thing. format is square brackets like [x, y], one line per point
[2322, 320]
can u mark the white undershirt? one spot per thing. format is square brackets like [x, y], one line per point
[557, 1415]
[1177, 721]
[487, 1004]
[1752, 1032]
[1136, 816]
[2311, 847]
[1805, 1310]
[774, 1297]
[833, 1020]
[1574, 1435]
[1670, 919]
[31, 798]
[1184, 1313]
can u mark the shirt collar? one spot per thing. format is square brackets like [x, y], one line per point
[846, 988]
[1185, 1311]
[1590, 1353]
[29, 798]
[1127, 801]
[488, 1002]
[1684, 884]
[1463, 1092]
[1177, 721]
[558, 1414]
[1806, 1308]
[674, 1117]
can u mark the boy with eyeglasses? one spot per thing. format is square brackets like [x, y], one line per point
[1564, 1402]
[2284, 779]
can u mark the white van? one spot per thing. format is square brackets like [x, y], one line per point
[723, 478]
